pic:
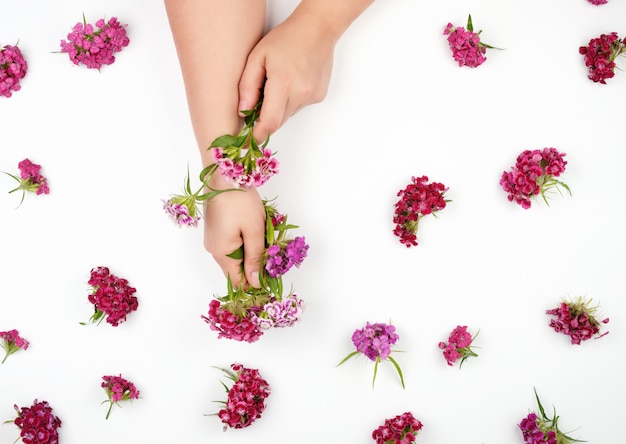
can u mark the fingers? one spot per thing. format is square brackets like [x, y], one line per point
[273, 111]
[251, 83]
[254, 244]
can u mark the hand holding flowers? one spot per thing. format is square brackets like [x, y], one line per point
[375, 341]
[12, 342]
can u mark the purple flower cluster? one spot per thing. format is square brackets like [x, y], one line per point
[283, 256]
[375, 340]
[13, 68]
[182, 211]
[277, 314]
[95, 47]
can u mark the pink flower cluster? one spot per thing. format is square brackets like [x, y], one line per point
[281, 257]
[229, 325]
[458, 346]
[278, 314]
[532, 432]
[13, 68]
[466, 47]
[112, 297]
[182, 211]
[600, 55]
[95, 47]
[401, 429]
[598, 2]
[418, 199]
[577, 320]
[30, 179]
[118, 389]
[37, 423]
[246, 397]
[375, 340]
[12, 342]
[253, 168]
[534, 174]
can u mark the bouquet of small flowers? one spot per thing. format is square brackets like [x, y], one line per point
[118, 389]
[243, 314]
[467, 49]
[111, 296]
[401, 429]
[418, 199]
[241, 160]
[94, 47]
[577, 319]
[12, 342]
[600, 54]
[37, 424]
[375, 341]
[30, 179]
[540, 429]
[535, 173]
[246, 397]
[13, 68]
[459, 346]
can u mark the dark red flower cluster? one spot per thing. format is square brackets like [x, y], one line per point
[112, 297]
[246, 398]
[600, 55]
[418, 199]
[229, 325]
[402, 429]
[577, 320]
[37, 424]
[534, 173]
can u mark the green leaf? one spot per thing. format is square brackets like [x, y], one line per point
[354, 353]
[470, 25]
[237, 254]
[395, 364]
[375, 370]
[541, 409]
[225, 141]
[208, 171]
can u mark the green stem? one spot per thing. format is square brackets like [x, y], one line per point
[109, 411]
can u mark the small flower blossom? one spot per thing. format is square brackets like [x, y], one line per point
[13, 68]
[278, 314]
[534, 174]
[467, 49]
[577, 320]
[246, 397]
[600, 55]
[282, 257]
[118, 389]
[598, 2]
[94, 47]
[241, 160]
[418, 199]
[540, 429]
[12, 342]
[458, 346]
[111, 296]
[229, 325]
[30, 179]
[401, 429]
[375, 341]
[37, 424]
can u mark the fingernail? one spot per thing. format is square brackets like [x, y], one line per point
[255, 279]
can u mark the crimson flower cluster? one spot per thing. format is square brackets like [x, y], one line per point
[95, 46]
[541, 429]
[30, 179]
[418, 199]
[401, 429]
[458, 346]
[243, 314]
[598, 2]
[375, 341]
[246, 397]
[112, 297]
[534, 174]
[242, 161]
[13, 68]
[37, 423]
[600, 54]
[12, 342]
[118, 389]
[467, 49]
[577, 320]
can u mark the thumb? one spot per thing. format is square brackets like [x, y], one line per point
[251, 83]
[252, 258]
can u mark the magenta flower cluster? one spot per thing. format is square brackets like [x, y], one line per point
[598, 2]
[281, 257]
[418, 199]
[118, 389]
[30, 179]
[229, 325]
[375, 340]
[401, 429]
[113, 298]
[532, 432]
[458, 346]
[534, 174]
[278, 314]
[465, 45]
[252, 168]
[37, 424]
[246, 398]
[577, 320]
[13, 68]
[600, 54]
[182, 211]
[96, 46]
[12, 342]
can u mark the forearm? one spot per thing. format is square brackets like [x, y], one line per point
[213, 39]
[336, 15]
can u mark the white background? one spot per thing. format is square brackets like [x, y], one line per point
[114, 143]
